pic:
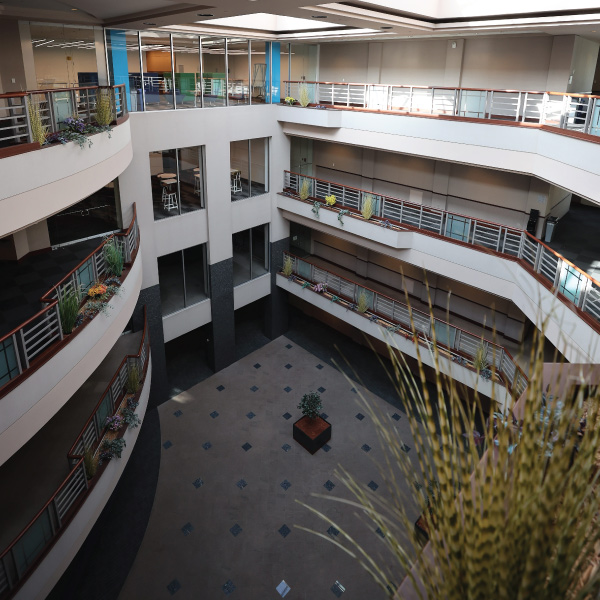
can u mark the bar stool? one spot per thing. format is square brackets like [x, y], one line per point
[197, 189]
[236, 181]
[169, 198]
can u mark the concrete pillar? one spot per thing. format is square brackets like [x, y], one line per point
[374, 62]
[101, 59]
[221, 342]
[441, 182]
[276, 316]
[13, 75]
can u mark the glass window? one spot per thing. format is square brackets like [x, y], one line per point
[458, 227]
[214, 71]
[158, 77]
[183, 278]
[94, 216]
[250, 254]
[259, 72]
[123, 53]
[177, 179]
[238, 69]
[259, 166]
[170, 273]
[188, 81]
[64, 55]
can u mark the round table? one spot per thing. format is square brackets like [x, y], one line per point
[166, 175]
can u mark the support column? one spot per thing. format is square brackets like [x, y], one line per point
[101, 57]
[13, 74]
[117, 59]
[276, 304]
[454, 60]
[221, 343]
[273, 76]
[150, 297]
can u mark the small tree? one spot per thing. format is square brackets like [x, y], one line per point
[304, 189]
[368, 207]
[363, 302]
[304, 95]
[288, 266]
[311, 405]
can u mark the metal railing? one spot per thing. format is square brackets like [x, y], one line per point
[571, 283]
[575, 112]
[55, 106]
[20, 348]
[20, 558]
[456, 342]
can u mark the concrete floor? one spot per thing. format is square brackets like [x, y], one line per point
[44, 458]
[220, 519]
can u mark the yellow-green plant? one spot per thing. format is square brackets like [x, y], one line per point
[105, 113]
[304, 189]
[363, 302]
[521, 522]
[90, 463]
[480, 361]
[38, 129]
[288, 266]
[330, 200]
[368, 207]
[304, 95]
[133, 380]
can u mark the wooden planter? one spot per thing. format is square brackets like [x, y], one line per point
[312, 434]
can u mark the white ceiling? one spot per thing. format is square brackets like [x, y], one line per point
[352, 19]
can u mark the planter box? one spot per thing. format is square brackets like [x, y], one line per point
[311, 434]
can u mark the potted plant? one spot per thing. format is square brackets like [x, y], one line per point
[311, 431]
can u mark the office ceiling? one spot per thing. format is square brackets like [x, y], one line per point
[355, 19]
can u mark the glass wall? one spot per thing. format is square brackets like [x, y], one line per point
[214, 71]
[188, 80]
[249, 168]
[156, 67]
[239, 72]
[250, 254]
[123, 56]
[259, 72]
[177, 179]
[95, 216]
[183, 279]
[64, 55]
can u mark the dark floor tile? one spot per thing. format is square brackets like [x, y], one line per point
[251, 415]
[221, 388]
[228, 587]
[284, 531]
[187, 529]
[405, 448]
[360, 416]
[207, 445]
[287, 416]
[329, 485]
[338, 589]
[285, 484]
[324, 415]
[396, 417]
[247, 446]
[288, 366]
[198, 483]
[257, 366]
[333, 531]
[287, 389]
[214, 414]
[366, 447]
[379, 532]
[372, 485]
[174, 586]
[177, 413]
[167, 444]
[321, 390]
[241, 484]
[286, 447]
[289, 346]
[319, 366]
[236, 530]
[326, 447]
[254, 388]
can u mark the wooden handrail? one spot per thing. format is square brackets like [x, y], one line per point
[51, 302]
[445, 87]
[431, 209]
[68, 89]
[80, 458]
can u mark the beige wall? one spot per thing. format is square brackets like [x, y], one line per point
[52, 66]
[11, 59]
[500, 62]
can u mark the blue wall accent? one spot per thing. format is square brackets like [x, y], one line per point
[117, 58]
[274, 57]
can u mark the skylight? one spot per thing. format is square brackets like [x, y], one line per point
[268, 22]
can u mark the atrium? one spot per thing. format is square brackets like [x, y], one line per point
[209, 211]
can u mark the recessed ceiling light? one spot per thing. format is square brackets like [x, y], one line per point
[319, 17]
[205, 15]
[73, 9]
[386, 27]
[148, 23]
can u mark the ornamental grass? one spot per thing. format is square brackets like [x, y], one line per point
[511, 509]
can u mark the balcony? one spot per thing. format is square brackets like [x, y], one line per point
[463, 353]
[41, 366]
[529, 273]
[43, 525]
[41, 183]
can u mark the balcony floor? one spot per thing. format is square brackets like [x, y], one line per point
[577, 239]
[36, 471]
[24, 282]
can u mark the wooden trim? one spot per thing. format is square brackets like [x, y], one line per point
[18, 149]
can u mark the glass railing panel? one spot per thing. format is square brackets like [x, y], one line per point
[33, 541]
[9, 366]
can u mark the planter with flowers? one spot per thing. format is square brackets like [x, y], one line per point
[311, 431]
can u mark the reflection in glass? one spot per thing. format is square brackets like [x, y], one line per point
[123, 55]
[238, 65]
[214, 71]
[250, 254]
[170, 274]
[196, 284]
[259, 166]
[158, 77]
[239, 169]
[94, 216]
[188, 81]
[259, 72]
[190, 166]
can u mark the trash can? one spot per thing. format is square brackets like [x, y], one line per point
[551, 223]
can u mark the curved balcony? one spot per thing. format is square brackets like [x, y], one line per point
[37, 184]
[529, 273]
[46, 540]
[408, 328]
[41, 366]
